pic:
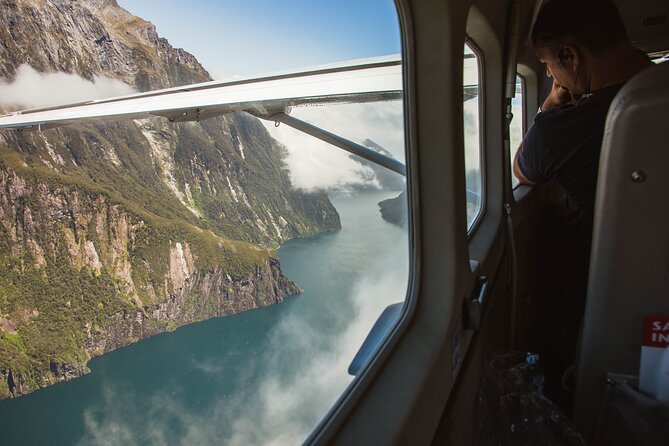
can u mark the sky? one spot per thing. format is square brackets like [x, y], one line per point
[240, 38]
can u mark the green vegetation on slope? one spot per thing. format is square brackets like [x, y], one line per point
[54, 305]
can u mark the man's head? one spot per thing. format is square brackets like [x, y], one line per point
[568, 34]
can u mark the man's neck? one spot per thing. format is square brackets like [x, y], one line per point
[616, 66]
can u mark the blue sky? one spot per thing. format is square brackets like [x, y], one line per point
[241, 38]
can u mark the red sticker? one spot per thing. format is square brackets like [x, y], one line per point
[656, 331]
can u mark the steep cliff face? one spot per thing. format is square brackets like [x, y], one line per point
[113, 232]
[91, 37]
[80, 275]
[395, 209]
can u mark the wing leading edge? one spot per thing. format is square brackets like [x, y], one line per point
[378, 81]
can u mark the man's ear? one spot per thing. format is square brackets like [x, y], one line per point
[570, 57]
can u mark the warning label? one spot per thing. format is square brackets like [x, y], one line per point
[656, 331]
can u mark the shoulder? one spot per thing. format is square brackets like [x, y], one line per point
[545, 124]
[556, 114]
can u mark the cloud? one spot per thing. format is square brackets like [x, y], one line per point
[32, 89]
[314, 164]
[105, 426]
[472, 144]
[472, 139]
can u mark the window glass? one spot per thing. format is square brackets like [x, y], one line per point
[212, 279]
[472, 133]
[516, 127]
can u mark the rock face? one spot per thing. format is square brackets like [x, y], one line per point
[394, 210]
[110, 233]
[387, 179]
[90, 37]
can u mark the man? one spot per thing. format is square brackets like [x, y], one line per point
[586, 51]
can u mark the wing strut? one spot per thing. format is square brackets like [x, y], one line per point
[338, 141]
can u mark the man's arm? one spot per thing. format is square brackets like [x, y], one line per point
[518, 172]
[559, 95]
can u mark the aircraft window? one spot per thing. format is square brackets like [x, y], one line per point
[215, 278]
[516, 127]
[472, 132]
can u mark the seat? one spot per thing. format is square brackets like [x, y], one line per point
[629, 265]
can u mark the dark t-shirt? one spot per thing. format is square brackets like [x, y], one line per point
[564, 144]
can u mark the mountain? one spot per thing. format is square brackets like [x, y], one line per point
[394, 210]
[387, 179]
[110, 233]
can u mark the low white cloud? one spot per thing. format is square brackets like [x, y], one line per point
[32, 89]
[314, 164]
[472, 138]
[219, 74]
[105, 426]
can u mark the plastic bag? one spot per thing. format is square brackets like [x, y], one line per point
[511, 409]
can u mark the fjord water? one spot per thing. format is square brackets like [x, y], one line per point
[264, 376]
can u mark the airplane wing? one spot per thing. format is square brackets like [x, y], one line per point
[363, 82]
[269, 97]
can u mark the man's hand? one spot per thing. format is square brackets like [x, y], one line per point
[559, 95]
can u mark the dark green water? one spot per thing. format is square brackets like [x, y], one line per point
[265, 376]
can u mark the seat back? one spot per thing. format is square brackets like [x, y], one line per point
[629, 265]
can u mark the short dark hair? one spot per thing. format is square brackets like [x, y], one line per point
[595, 24]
